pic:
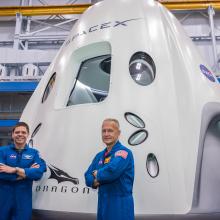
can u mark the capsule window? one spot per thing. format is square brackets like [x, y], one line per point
[142, 68]
[92, 82]
[36, 130]
[152, 165]
[49, 87]
[31, 141]
[138, 137]
[134, 120]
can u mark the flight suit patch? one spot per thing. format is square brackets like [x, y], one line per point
[121, 153]
[12, 156]
[107, 160]
[27, 156]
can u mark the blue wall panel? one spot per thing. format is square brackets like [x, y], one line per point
[18, 86]
[8, 123]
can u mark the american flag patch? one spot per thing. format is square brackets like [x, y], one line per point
[121, 153]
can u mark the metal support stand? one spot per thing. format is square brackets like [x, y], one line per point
[17, 31]
[28, 26]
[211, 14]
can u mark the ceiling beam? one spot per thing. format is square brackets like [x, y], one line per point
[191, 5]
[80, 8]
[43, 10]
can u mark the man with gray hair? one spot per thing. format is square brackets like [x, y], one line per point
[112, 172]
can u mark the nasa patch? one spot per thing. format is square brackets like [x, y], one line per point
[27, 156]
[12, 156]
[207, 73]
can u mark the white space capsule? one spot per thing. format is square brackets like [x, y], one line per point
[130, 60]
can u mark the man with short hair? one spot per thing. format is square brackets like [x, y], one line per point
[112, 172]
[19, 166]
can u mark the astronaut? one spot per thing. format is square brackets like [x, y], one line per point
[19, 166]
[112, 172]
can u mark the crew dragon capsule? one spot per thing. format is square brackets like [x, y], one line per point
[130, 60]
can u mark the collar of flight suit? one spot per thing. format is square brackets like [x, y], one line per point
[113, 150]
[12, 146]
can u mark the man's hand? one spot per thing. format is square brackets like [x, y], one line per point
[94, 173]
[95, 184]
[19, 178]
[21, 173]
[7, 169]
[35, 165]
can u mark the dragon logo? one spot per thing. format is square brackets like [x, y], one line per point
[61, 176]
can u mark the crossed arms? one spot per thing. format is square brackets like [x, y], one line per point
[20, 172]
[34, 172]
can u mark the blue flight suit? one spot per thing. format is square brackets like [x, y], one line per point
[16, 195]
[116, 176]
